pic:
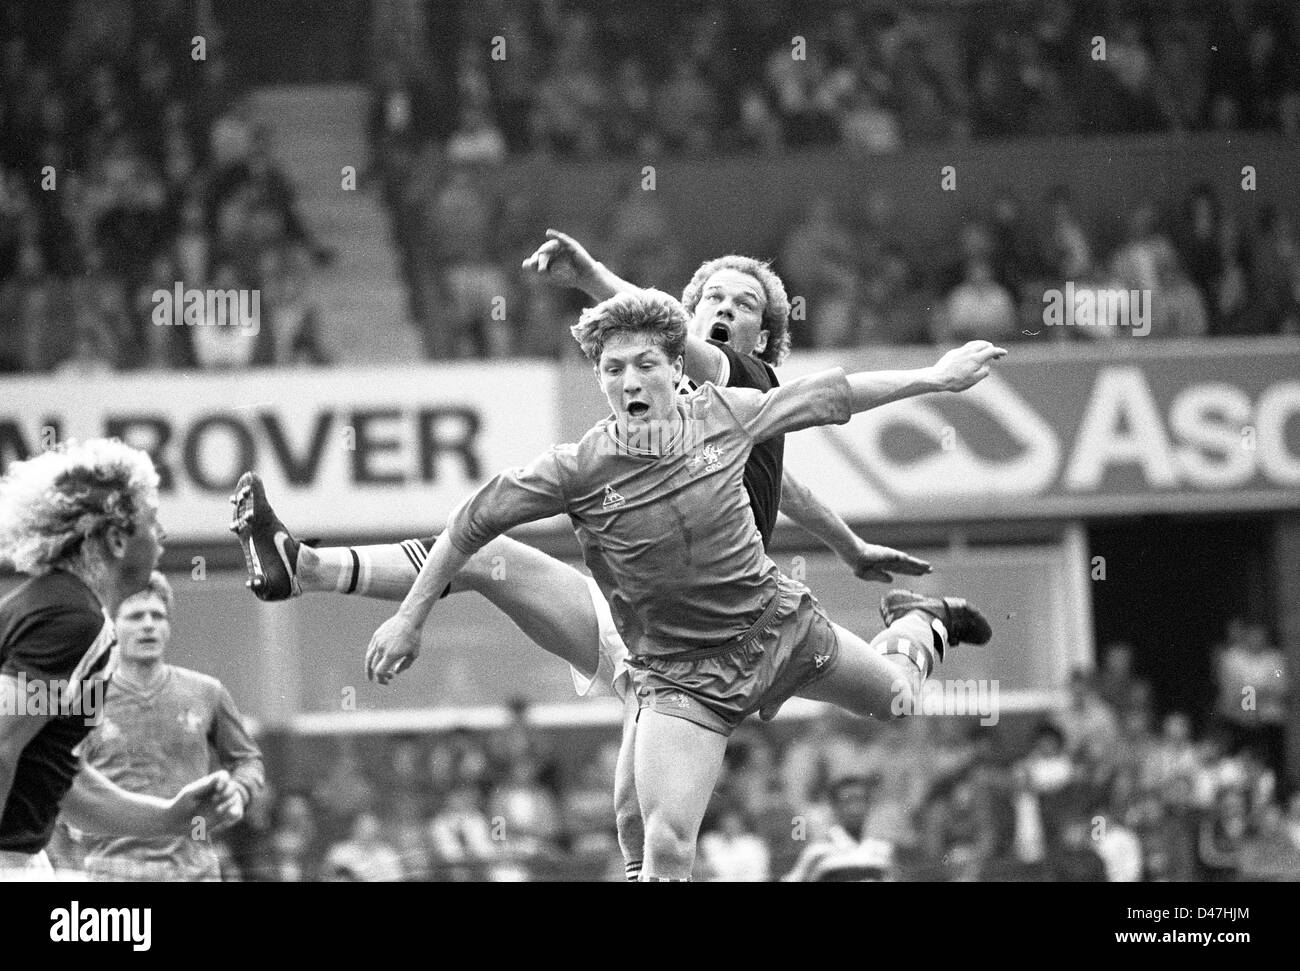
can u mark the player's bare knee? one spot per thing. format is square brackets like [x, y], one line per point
[669, 839]
[628, 820]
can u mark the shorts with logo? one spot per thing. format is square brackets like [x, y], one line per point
[796, 648]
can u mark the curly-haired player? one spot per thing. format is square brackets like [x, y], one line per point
[82, 520]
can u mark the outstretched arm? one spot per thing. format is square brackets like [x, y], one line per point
[564, 261]
[509, 499]
[396, 644]
[959, 369]
[867, 560]
[832, 397]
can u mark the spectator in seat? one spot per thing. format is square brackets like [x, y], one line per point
[460, 835]
[1253, 694]
[1270, 853]
[89, 357]
[588, 807]
[851, 801]
[977, 308]
[342, 794]
[1115, 682]
[1119, 847]
[478, 140]
[1077, 859]
[365, 856]
[732, 851]
[959, 829]
[295, 840]
[1089, 724]
[1222, 837]
[867, 127]
[1177, 306]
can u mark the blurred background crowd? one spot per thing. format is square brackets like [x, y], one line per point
[164, 176]
[1104, 787]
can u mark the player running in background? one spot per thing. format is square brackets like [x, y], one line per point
[82, 520]
[716, 632]
[161, 726]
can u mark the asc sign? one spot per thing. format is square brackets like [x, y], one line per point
[1065, 430]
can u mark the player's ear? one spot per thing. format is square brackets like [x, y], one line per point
[760, 345]
[115, 540]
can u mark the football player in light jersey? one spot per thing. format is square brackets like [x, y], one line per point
[715, 631]
[738, 331]
[160, 727]
[82, 520]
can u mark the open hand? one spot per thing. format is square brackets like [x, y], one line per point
[968, 365]
[879, 562]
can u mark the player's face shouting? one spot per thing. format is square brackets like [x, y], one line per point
[730, 311]
[638, 380]
[143, 629]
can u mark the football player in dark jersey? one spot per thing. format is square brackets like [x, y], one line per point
[82, 520]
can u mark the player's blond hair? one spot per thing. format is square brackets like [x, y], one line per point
[650, 312]
[776, 305]
[52, 504]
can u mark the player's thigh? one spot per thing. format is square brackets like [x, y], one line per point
[677, 764]
[625, 798]
[548, 600]
[861, 682]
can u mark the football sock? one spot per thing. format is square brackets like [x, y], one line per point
[915, 639]
[383, 572]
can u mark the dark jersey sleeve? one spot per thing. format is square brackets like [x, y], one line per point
[747, 371]
[53, 631]
[50, 642]
[766, 463]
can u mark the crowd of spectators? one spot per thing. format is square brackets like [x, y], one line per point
[1098, 788]
[557, 79]
[1168, 268]
[579, 79]
[128, 163]
[1187, 266]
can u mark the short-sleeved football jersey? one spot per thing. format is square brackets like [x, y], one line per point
[156, 741]
[54, 635]
[671, 538]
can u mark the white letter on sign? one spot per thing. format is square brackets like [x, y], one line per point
[1209, 417]
[1120, 398]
